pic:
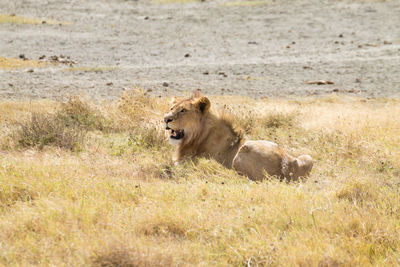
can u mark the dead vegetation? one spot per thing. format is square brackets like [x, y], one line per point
[123, 256]
[86, 183]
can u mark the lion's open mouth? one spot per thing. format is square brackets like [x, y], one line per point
[177, 134]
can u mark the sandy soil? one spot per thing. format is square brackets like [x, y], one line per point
[262, 50]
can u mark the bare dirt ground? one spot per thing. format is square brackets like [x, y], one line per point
[270, 49]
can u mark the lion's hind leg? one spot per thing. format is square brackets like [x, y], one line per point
[255, 158]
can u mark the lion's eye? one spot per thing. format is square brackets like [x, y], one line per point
[183, 110]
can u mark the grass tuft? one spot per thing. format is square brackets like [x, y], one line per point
[65, 129]
[80, 113]
[49, 129]
[356, 192]
[122, 256]
[278, 120]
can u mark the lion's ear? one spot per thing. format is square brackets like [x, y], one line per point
[174, 100]
[196, 94]
[203, 104]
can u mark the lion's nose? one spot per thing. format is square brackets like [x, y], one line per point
[167, 119]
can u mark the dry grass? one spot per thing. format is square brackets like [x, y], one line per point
[120, 200]
[13, 19]
[15, 63]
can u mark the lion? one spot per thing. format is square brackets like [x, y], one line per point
[199, 132]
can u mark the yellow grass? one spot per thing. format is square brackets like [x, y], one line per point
[15, 63]
[13, 19]
[120, 200]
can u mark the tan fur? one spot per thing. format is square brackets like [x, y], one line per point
[209, 135]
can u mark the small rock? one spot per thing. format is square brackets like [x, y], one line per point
[357, 80]
[12, 15]
[335, 90]
[146, 18]
[42, 57]
[109, 84]
[340, 35]
[319, 82]
[44, 22]
[206, 73]
[307, 68]
[252, 42]
[187, 55]
[223, 74]
[165, 84]
[336, 42]
[288, 46]
[30, 70]
[22, 56]
[11, 85]
[386, 42]
[293, 42]
[359, 46]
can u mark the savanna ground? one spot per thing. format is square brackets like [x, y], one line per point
[86, 183]
[257, 48]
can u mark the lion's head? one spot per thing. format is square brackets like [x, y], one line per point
[185, 118]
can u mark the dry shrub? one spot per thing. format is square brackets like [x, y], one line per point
[168, 228]
[80, 113]
[150, 165]
[249, 121]
[356, 192]
[137, 105]
[326, 262]
[13, 193]
[244, 120]
[147, 136]
[66, 128]
[49, 129]
[123, 256]
[278, 120]
[329, 262]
